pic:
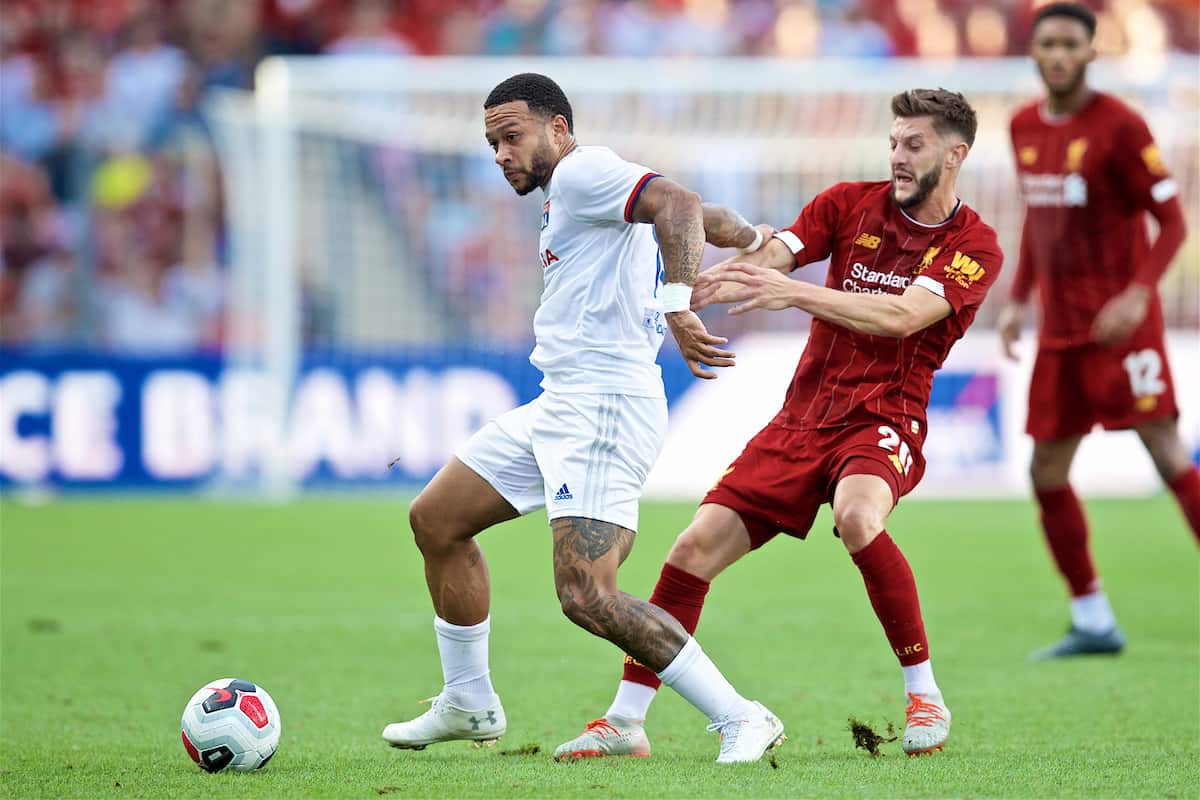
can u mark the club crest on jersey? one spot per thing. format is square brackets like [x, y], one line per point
[927, 260]
[964, 270]
[868, 241]
[545, 215]
[1075, 150]
[1027, 156]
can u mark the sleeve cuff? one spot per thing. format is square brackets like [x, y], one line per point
[791, 241]
[637, 191]
[929, 284]
[1164, 190]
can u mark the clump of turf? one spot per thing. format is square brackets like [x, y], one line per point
[867, 739]
[524, 750]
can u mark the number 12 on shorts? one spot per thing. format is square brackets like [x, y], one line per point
[898, 452]
[1145, 372]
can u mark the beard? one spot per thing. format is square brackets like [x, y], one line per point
[1071, 85]
[925, 185]
[539, 169]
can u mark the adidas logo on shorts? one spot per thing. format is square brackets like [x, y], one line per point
[563, 494]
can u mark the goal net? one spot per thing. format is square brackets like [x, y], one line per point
[369, 228]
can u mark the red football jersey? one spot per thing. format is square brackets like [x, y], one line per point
[1087, 180]
[848, 377]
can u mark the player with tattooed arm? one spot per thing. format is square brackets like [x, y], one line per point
[620, 249]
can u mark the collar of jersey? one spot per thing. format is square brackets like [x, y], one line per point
[1047, 118]
[946, 221]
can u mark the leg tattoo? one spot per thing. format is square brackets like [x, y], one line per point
[586, 555]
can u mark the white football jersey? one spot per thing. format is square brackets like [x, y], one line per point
[600, 322]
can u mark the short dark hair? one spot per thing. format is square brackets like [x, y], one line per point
[1074, 11]
[544, 96]
[950, 111]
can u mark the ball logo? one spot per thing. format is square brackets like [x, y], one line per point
[222, 698]
[218, 700]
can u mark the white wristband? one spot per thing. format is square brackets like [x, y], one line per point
[676, 297]
[753, 246]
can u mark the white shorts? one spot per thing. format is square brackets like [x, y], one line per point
[578, 455]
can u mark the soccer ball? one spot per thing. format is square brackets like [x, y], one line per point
[230, 724]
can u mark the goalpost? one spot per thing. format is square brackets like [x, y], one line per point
[366, 218]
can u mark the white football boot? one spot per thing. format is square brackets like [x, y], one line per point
[926, 723]
[445, 722]
[606, 737]
[748, 734]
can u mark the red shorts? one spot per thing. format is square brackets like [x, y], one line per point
[1073, 389]
[784, 475]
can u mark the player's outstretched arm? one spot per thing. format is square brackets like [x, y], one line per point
[724, 227]
[752, 287]
[678, 219]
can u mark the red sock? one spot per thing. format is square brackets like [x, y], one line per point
[680, 594]
[893, 593]
[1066, 532]
[1186, 488]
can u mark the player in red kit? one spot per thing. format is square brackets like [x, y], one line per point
[909, 265]
[1089, 171]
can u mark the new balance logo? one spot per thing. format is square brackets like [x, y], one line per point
[563, 494]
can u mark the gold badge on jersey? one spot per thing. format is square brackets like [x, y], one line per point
[1152, 158]
[723, 474]
[868, 241]
[1075, 150]
[1027, 156]
[927, 260]
[964, 270]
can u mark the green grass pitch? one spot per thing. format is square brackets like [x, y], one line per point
[114, 611]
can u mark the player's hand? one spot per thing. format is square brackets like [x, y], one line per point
[697, 345]
[747, 285]
[1121, 316]
[1009, 327]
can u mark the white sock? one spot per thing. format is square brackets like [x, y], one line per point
[1092, 613]
[632, 701]
[696, 677]
[918, 679]
[464, 652]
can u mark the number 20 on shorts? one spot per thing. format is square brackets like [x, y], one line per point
[900, 455]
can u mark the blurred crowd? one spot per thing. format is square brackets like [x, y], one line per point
[111, 209]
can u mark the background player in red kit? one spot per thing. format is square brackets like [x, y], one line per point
[909, 266]
[1089, 170]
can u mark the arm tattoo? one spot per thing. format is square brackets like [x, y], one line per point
[724, 227]
[680, 228]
